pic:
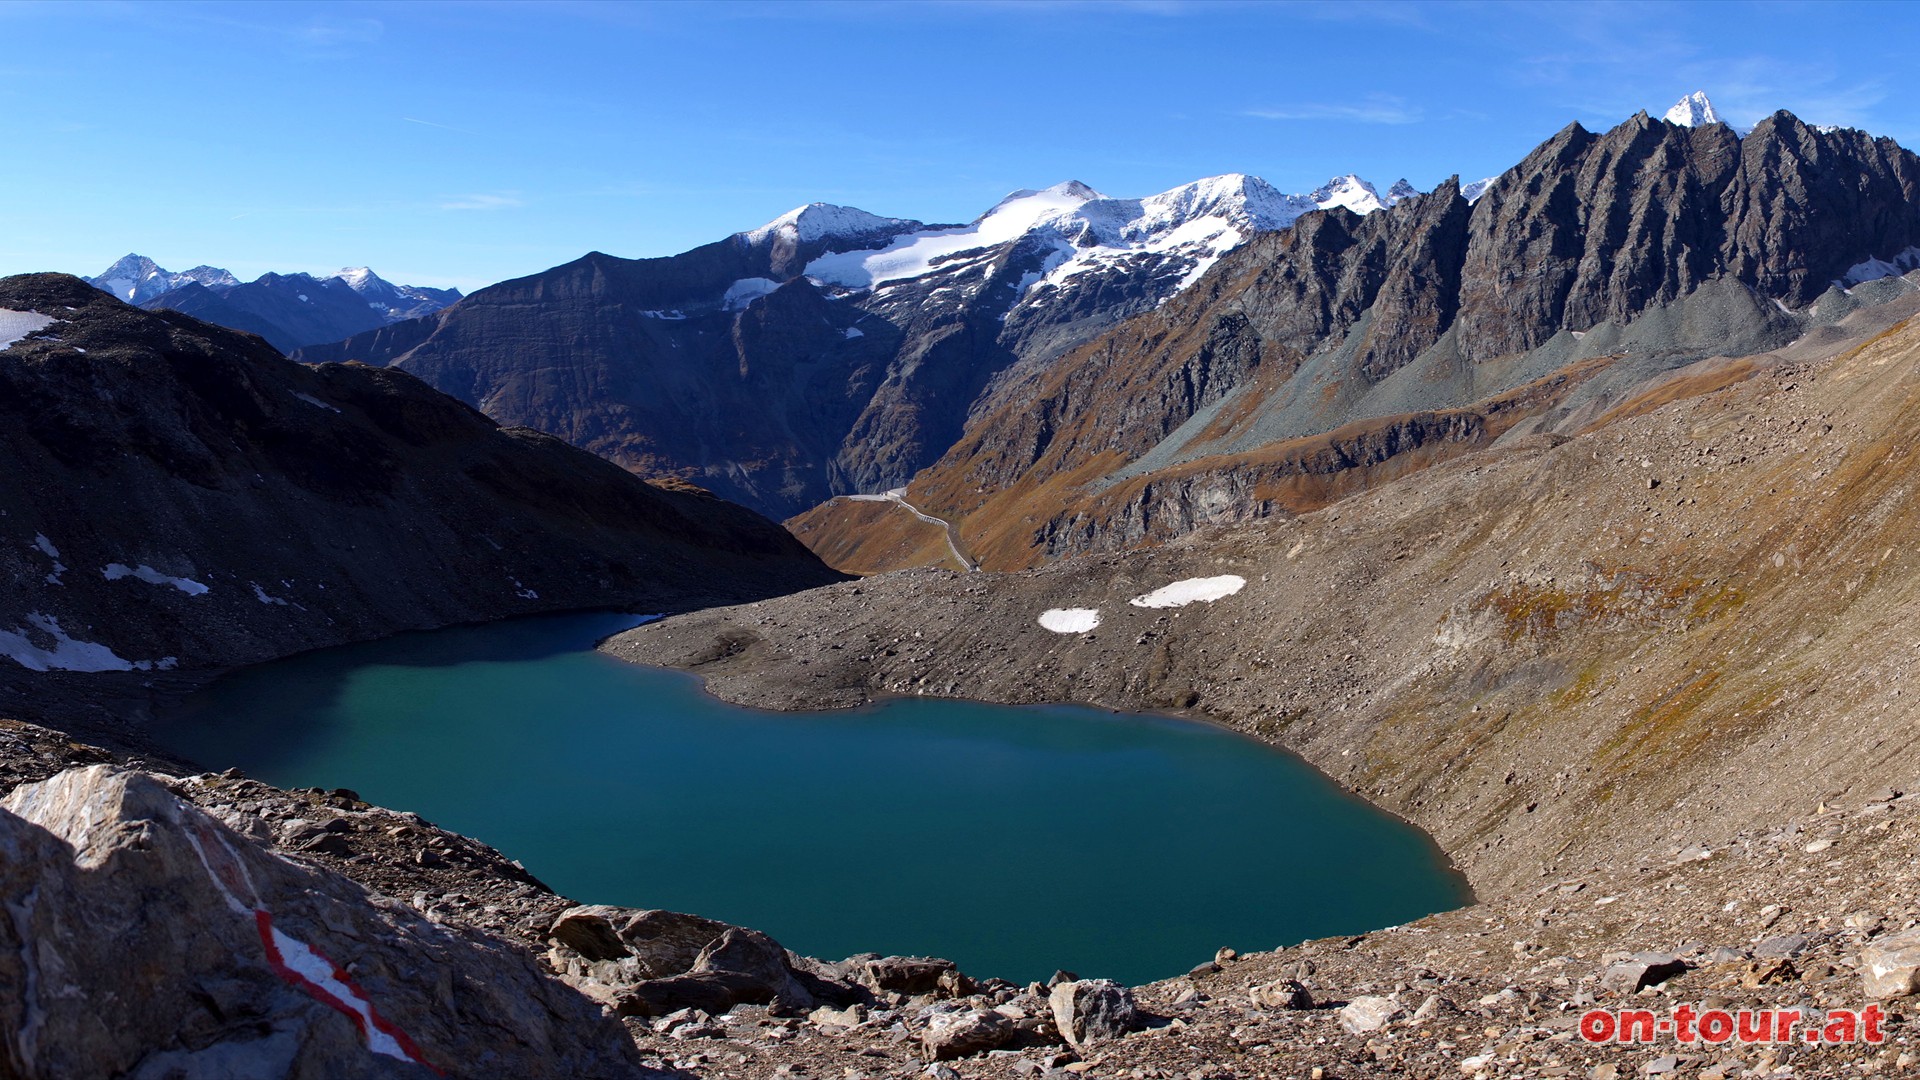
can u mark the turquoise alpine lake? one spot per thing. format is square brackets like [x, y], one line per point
[1013, 840]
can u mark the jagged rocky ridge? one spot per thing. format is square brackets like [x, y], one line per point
[830, 350]
[289, 310]
[1592, 268]
[180, 498]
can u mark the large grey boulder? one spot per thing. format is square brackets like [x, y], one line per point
[1890, 966]
[1642, 969]
[651, 963]
[143, 938]
[958, 1032]
[1370, 1013]
[1092, 1011]
[905, 974]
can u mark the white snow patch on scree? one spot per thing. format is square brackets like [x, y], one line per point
[1191, 591]
[314, 401]
[1875, 269]
[15, 325]
[66, 654]
[116, 571]
[53, 554]
[1073, 620]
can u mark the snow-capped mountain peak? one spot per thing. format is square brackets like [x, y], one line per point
[824, 221]
[1349, 191]
[394, 302]
[1695, 110]
[1400, 190]
[1026, 208]
[137, 279]
[1190, 226]
[358, 278]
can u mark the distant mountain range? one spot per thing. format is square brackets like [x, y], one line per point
[830, 350]
[289, 310]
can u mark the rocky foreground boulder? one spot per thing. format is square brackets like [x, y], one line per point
[144, 938]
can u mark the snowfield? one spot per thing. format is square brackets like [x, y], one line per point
[819, 221]
[1200, 590]
[1073, 620]
[15, 325]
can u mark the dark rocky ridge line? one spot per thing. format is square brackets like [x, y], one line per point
[243, 507]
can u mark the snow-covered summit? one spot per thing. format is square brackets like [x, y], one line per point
[1196, 223]
[823, 221]
[1695, 110]
[1349, 191]
[394, 302]
[137, 279]
[358, 278]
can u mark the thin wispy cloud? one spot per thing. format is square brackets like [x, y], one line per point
[482, 202]
[327, 32]
[1375, 109]
[442, 127]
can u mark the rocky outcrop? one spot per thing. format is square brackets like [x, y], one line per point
[182, 499]
[145, 938]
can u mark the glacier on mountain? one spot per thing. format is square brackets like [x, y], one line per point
[823, 221]
[1086, 230]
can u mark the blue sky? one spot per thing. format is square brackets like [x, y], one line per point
[461, 144]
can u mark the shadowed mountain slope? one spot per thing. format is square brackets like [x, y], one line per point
[179, 496]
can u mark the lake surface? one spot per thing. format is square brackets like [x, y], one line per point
[1012, 840]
